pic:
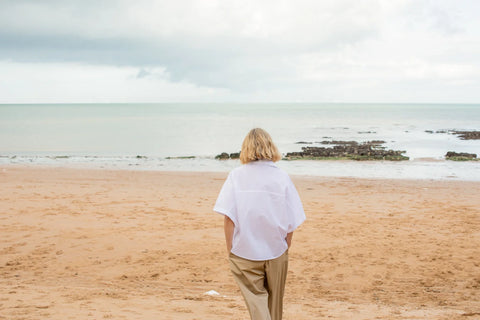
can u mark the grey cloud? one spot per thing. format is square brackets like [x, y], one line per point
[142, 73]
[233, 62]
[227, 63]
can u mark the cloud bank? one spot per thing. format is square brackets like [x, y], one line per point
[188, 51]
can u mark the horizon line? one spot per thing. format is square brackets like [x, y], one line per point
[239, 102]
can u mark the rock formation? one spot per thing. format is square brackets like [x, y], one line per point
[460, 156]
[226, 156]
[468, 135]
[348, 150]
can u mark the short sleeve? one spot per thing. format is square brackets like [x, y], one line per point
[296, 214]
[226, 200]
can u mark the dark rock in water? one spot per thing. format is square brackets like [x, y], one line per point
[350, 143]
[141, 157]
[468, 135]
[375, 142]
[462, 134]
[460, 156]
[353, 143]
[183, 157]
[303, 142]
[348, 150]
[222, 156]
[226, 156]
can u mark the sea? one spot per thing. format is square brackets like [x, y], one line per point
[187, 137]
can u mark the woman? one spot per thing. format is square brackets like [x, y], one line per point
[262, 209]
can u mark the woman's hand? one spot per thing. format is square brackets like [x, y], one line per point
[289, 239]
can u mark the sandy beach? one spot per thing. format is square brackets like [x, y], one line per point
[104, 244]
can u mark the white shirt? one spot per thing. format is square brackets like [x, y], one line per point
[264, 205]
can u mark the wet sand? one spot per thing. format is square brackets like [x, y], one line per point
[99, 244]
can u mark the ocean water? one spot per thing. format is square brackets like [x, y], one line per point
[144, 136]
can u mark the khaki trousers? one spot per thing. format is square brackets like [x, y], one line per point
[262, 284]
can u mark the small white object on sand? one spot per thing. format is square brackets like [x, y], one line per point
[212, 293]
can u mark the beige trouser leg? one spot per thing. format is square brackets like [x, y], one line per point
[262, 284]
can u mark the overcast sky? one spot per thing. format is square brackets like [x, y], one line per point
[239, 51]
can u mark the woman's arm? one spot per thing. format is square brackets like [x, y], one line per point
[289, 239]
[228, 226]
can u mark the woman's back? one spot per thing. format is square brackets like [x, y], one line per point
[263, 204]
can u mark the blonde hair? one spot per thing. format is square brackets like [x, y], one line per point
[258, 145]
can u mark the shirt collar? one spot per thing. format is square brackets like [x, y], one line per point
[263, 163]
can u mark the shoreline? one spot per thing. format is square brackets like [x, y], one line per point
[129, 244]
[418, 169]
[4, 168]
